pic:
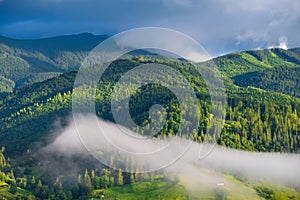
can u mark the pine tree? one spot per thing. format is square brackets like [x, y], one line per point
[12, 176]
[58, 184]
[13, 188]
[132, 180]
[93, 177]
[2, 159]
[120, 178]
[105, 178]
[79, 179]
[87, 179]
[32, 182]
[97, 182]
[87, 183]
[111, 181]
[38, 188]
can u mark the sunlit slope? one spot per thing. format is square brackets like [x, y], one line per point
[280, 79]
[256, 120]
[257, 60]
[39, 59]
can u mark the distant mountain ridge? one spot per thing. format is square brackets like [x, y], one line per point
[76, 42]
[26, 61]
[23, 62]
[275, 70]
[41, 77]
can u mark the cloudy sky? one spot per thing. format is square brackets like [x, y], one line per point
[220, 26]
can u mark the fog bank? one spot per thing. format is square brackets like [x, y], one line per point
[106, 138]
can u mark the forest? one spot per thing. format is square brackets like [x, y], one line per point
[262, 115]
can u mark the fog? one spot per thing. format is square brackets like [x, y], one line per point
[180, 157]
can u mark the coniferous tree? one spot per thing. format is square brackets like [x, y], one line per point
[120, 178]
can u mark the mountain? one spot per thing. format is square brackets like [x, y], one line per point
[40, 59]
[28, 113]
[257, 60]
[51, 46]
[260, 77]
[284, 80]
[256, 120]
[274, 70]
[263, 114]
[27, 61]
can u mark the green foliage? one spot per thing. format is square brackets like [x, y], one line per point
[23, 62]
[273, 192]
[6, 85]
[258, 60]
[120, 178]
[285, 80]
[156, 189]
[256, 119]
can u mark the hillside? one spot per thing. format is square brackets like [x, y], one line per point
[249, 124]
[257, 60]
[273, 70]
[40, 59]
[263, 115]
[27, 61]
[28, 117]
[284, 80]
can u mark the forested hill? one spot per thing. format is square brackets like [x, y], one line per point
[23, 62]
[27, 61]
[80, 42]
[257, 60]
[274, 70]
[256, 120]
[280, 79]
[262, 86]
[36, 81]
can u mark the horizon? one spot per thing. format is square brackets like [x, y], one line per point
[106, 35]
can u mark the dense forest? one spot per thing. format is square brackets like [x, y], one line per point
[27, 61]
[280, 79]
[263, 112]
[21, 183]
[256, 120]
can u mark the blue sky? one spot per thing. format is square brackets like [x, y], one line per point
[220, 26]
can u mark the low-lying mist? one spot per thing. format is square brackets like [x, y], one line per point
[193, 172]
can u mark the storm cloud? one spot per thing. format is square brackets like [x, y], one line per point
[220, 26]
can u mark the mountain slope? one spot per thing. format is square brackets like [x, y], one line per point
[27, 61]
[50, 46]
[284, 80]
[41, 59]
[30, 110]
[39, 99]
[256, 120]
[257, 60]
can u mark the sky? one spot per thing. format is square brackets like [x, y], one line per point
[220, 26]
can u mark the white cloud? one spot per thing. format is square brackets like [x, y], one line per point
[220, 26]
[282, 43]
